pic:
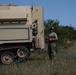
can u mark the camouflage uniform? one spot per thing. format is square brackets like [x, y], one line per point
[52, 49]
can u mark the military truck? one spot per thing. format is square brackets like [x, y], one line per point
[21, 31]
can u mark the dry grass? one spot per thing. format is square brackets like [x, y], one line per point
[39, 64]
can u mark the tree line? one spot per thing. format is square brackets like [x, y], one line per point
[64, 32]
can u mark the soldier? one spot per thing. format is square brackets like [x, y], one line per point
[52, 39]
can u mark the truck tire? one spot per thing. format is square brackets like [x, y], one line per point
[6, 58]
[23, 52]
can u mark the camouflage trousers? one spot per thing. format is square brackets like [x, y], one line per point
[52, 50]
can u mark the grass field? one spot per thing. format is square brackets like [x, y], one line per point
[39, 64]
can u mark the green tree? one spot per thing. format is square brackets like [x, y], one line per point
[49, 23]
[64, 32]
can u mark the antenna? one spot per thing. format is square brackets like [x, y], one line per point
[31, 5]
[32, 2]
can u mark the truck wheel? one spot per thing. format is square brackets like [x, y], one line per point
[6, 58]
[22, 52]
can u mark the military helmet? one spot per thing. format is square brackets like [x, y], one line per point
[52, 28]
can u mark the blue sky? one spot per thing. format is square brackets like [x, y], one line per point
[62, 10]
